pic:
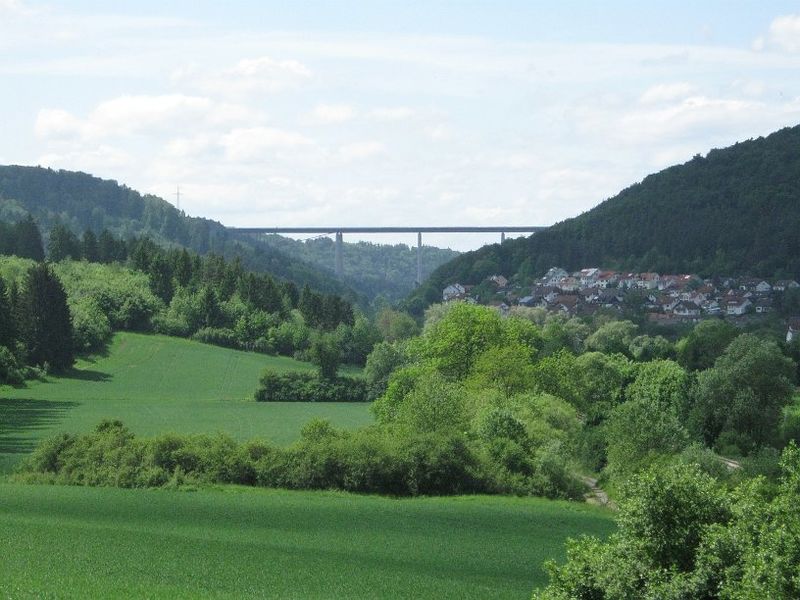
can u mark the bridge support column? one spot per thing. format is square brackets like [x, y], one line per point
[502, 236]
[338, 260]
[419, 258]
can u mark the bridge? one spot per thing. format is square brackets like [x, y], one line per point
[340, 231]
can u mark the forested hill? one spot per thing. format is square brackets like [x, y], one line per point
[735, 211]
[81, 201]
[388, 270]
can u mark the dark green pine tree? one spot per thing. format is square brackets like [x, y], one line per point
[89, 248]
[160, 273]
[8, 326]
[63, 244]
[28, 242]
[45, 322]
[106, 247]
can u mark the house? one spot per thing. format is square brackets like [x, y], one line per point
[607, 279]
[588, 277]
[566, 304]
[763, 305]
[500, 281]
[686, 308]
[454, 291]
[554, 275]
[762, 287]
[737, 305]
[793, 329]
[569, 284]
[648, 281]
[785, 284]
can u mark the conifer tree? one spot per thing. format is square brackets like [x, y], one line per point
[89, 248]
[28, 242]
[8, 328]
[45, 322]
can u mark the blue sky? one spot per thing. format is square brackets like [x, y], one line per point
[390, 113]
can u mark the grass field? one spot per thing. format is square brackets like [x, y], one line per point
[244, 543]
[155, 384]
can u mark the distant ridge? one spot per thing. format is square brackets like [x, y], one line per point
[735, 211]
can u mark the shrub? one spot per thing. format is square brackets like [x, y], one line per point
[10, 370]
[308, 387]
[218, 336]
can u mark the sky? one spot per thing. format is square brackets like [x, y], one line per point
[390, 113]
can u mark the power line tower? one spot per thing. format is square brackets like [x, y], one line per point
[178, 198]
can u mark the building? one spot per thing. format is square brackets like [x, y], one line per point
[454, 291]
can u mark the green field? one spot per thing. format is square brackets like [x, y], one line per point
[154, 384]
[245, 543]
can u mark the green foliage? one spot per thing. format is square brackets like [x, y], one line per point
[506, 368]
[615, 337]
[644, 348]
[704, 344]
[91, 327]
[395, 325]
[681, 535]
[305, 387]
[743, 396]
[455, 342]
[325, 354]
[384, 359]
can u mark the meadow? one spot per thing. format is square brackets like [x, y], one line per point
[243, 543]
[155, 383]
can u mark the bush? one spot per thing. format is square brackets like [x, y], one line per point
[10, 371]
[218, 336]
[91, 328]
[307, 387]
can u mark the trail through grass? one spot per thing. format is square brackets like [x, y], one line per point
[154, 384]
[71, 542]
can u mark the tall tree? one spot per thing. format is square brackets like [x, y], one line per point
[28, 242]
[45, 322]
[8, 328]
[63, 244]
[89, 248]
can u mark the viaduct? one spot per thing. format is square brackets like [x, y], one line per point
[340, 231]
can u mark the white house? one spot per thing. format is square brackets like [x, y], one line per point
[737, 306]
[554, 275]
[763, 287]
[793, 330]
[686, 308]
[453, 292]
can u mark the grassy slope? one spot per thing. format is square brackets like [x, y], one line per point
[85, 542]
[156, 384]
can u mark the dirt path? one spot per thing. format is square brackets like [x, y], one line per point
[596, 494]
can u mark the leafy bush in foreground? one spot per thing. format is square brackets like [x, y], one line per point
[370, 460]
[681, 535]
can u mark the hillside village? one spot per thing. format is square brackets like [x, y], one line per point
[666, 299]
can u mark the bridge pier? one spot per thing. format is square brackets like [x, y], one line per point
[419, 258]
[338, 259]
[502, 236]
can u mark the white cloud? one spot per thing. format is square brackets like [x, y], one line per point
[128, 115]
[333, 113]
[360, 150]
[783, 34]
[253, 143]
[249, 76]
[667, 92]
[397, 113]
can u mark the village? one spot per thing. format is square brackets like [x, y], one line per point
[665, 299]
